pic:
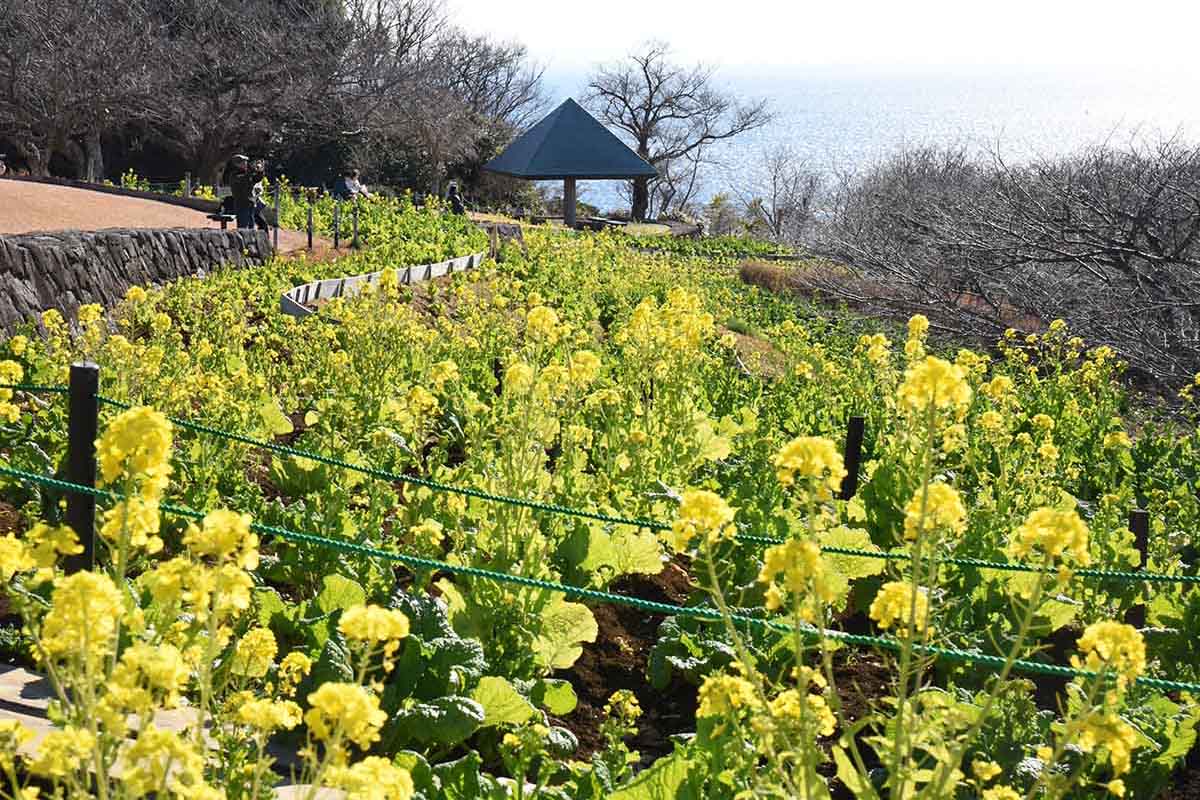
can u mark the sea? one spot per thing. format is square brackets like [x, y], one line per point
[843, 120]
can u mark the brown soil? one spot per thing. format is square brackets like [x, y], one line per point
[617, 660]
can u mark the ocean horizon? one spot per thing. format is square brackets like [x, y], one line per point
[843, 120]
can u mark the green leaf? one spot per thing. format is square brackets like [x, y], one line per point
[852, 567]
[660, 781]
[462, 780]
[418, 768]
[562, 627]
[556, 696]
[851, 777]
[268, 603]
[338, 594]
[637, 552]
[446, 721]
[273, 419]
[502, 703]
[332, 665]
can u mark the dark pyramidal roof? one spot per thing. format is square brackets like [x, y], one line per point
[569, 143]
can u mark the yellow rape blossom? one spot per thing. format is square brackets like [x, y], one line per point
[934, 382]
[372, 778]
[224, 535]
[1054, 533]
[254, 654]
[894, 605]
[136, 443]
[725, 694]
[61, 752]
[943, 511]
[344, 710]
[701, 513]
[811, 457]
[1113, 646]
[82, 621]
[1001, 793]
[1105, 728]
[269, 715]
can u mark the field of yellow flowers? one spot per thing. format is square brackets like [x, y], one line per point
[697, 423]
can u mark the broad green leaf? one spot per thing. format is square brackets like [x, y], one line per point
[852, 567]
[502, 703]
[311, 418]
[601, 555]
[269, 603]
[637, 553]
[337, 594]
[851, 777]
[273, 419]
[445, 721]
[660, 781]
[562, 627]
[462, 780]
[1057, 613]
[556, 696]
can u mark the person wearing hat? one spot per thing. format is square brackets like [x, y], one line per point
[242, 188]
[457, 205]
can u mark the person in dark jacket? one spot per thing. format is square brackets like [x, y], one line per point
[455, 200]
[242, 188]
[348, 186]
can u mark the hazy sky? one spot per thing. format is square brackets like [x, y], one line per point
[747, 35]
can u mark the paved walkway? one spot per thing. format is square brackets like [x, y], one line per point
[26, 207]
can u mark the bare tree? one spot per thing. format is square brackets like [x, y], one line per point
[71, 71]
[780, 201]
[668, 111]
[1108, 240]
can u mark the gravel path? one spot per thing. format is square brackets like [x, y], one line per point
[27, 207]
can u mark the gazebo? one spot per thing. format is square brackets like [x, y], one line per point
[570, 145]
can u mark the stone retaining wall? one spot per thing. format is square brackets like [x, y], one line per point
[65, 269]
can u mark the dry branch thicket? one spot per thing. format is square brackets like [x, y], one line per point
[1105, 239]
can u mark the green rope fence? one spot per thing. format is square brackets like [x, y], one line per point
[668, 609]
[554, 508]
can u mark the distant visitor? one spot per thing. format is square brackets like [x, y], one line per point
[349, 187]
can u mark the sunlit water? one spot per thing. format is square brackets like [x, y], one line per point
[844, 120]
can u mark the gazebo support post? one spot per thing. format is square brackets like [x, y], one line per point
[569, 202]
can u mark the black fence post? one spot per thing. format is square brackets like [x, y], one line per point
[854, 441]
[1139, 523]
[337, 223]
[310, 225]
[83, 425]
[354, 241]
[275, 243]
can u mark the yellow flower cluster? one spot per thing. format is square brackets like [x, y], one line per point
[137, 444]
[623, 704]
[1105, 728]
[935, 382]
[225, 536]
[938, 508]
[134, 521]
[82, 622]
[542, 323]
[372, 778]
[876, 347]
[901, 604]
[1001, 792]
[254, 654]
[293, 669]
[814, 458]
[269, 715]
[726, 694]
[791, 705]
[701, 514]
[10, 372]
[61, 752]
[376, 626]
[160, 762]
[344, 710]
[804, 575]
[1113, 646]
[1054, 533]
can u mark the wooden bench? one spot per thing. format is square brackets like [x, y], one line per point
[224, 219]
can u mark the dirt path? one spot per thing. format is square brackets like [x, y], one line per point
[27, 207]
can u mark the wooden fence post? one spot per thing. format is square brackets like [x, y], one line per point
[310, 225]
[854, 441]
[187, 184]
[277, 190]
[82, 429]
[354, 241]
[1139, 523]
[337, 223]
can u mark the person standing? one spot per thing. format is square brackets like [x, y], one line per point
[242, 189]
[455, 200]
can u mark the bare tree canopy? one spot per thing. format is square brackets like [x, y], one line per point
[1108, 240]
[780, 196]
[672, 114]
[203, 79]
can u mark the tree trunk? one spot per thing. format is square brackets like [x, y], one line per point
[94, 158]
[641, 199]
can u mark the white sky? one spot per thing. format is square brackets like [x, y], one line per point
[747, 35]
